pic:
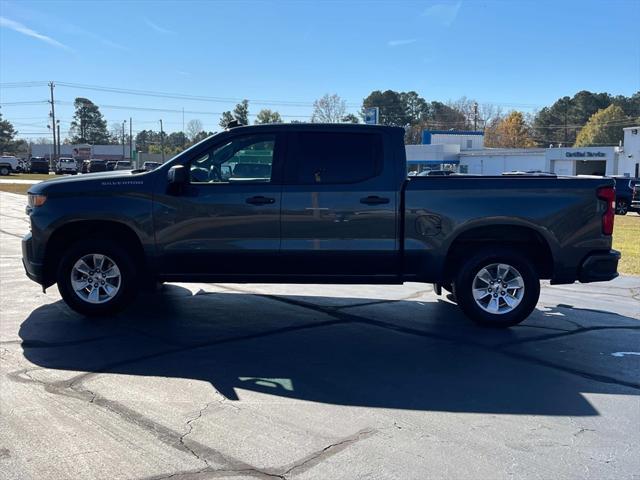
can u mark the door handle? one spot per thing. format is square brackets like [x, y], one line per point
[260, 200]
[374, 200]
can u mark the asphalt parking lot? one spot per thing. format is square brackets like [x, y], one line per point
[314, 382]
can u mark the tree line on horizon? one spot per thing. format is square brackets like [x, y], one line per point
[586, 119]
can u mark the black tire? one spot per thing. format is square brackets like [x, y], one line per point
[4, 171]
[127, 286]
[483, 258]
[622, 207]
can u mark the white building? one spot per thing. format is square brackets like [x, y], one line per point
[442, 149]
[494, 161]
[629, 159]
[582, 160]
[432, 157]
[465, 139]
[448, 149]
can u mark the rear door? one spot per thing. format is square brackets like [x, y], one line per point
[339, 206]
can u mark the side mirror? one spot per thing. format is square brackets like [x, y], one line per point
[177, 175]
[176, 178]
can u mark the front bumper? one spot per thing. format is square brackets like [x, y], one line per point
[34, 270]
[600, 267]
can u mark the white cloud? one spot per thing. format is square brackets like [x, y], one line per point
[398, 43]
[156, 27]
[20, 28]
[444, 13]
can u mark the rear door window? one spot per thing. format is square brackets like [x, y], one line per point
[334, 158]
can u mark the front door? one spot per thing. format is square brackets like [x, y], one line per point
[226, 221]
[339, 207]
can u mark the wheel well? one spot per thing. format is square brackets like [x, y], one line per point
[524, 239]
[68, 234]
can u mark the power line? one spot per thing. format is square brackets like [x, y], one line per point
[206, 98]
[23, 84]
[32, 102]
[180, 96]
[165, 110]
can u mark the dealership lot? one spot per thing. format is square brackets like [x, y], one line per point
[293, 381]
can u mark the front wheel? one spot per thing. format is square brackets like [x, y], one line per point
[4, 171]
[96, 277]
[497, 289]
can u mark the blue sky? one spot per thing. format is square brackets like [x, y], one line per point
[519, 54]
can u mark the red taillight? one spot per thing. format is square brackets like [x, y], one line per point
[608, 194]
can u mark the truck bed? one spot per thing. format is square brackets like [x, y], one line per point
[561, 213]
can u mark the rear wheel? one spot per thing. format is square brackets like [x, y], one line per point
[497, 289]
[622, 207]
[4, 171]
[96, 277]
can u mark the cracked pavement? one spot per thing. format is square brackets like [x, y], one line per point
[314, 381]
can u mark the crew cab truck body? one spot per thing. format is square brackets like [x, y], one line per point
[328, 204]
[8, 164]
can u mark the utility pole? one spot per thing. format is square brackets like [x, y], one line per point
[183, 135]
[53, 121]
[566, 107]
[130, 138]
[475, 116]
[123, 124]
[58, 131]
[162, 140]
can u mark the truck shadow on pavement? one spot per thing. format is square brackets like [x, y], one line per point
[360, 352]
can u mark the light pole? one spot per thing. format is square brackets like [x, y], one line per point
[51, 165]
[123, 124]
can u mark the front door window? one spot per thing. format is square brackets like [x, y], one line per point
[241, 160]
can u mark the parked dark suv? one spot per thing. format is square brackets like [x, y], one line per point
[624, 192]
[635, 197]
[39, 165]
[97, 165]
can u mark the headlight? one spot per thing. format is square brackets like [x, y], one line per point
[34, 200]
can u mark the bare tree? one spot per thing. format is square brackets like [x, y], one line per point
[194, 127]
[476, 115]
[329, 109]
[115, 133]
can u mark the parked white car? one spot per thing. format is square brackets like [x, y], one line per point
[66, 165]
[8, 164]
[123, 165]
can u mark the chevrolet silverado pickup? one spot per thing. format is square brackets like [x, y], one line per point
[317, 203]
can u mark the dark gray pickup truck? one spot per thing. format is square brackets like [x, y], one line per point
[317, 204]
